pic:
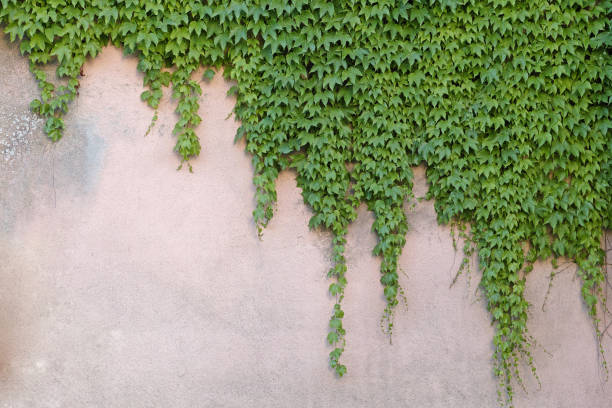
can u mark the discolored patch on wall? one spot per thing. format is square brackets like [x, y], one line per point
[16, 131]
[78, 158]
[34, 170]
[22, 164]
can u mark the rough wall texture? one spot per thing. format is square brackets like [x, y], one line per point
[125, 283]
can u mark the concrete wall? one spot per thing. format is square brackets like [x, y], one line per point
[126, 283]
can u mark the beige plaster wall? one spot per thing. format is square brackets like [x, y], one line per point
[126, 283]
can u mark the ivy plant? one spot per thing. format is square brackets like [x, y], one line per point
[505, 101]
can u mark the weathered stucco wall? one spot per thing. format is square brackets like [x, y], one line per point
[126, 283]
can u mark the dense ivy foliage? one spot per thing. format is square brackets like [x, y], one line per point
[505, 101]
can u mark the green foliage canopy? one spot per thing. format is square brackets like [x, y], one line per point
[505, 101]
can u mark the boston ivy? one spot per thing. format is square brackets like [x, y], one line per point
[505, 101]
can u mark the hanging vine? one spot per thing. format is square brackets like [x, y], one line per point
[505, 101]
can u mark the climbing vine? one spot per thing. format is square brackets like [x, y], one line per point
[505, 101]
